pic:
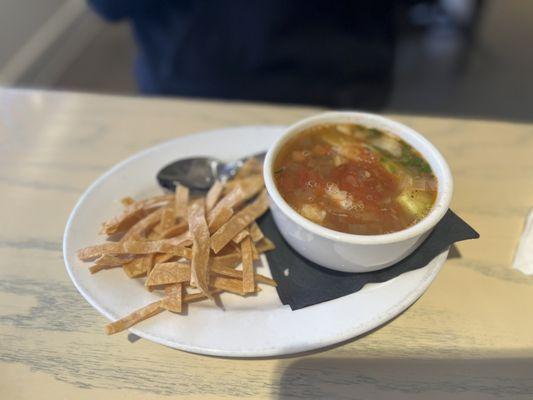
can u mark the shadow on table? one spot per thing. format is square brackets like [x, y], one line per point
[399, 379]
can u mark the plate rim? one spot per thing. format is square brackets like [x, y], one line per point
[400, 306]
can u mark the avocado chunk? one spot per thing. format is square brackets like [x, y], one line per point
[416, 202]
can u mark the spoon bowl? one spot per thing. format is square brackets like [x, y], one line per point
[200, 173]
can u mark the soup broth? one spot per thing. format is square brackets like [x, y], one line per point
[355, 179]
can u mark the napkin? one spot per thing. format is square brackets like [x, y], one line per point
[523, 260]
[302, 283]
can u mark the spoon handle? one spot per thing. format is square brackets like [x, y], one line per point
[227, 171]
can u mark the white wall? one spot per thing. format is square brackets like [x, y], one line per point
[40, 38]
[20, 20]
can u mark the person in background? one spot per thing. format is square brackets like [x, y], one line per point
[330, 53]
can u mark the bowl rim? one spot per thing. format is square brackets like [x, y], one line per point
[418, 141]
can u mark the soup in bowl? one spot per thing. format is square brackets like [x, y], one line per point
[355, 191]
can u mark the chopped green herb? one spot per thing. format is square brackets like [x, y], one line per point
[373, 133]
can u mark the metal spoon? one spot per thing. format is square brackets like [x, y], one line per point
[199, 173]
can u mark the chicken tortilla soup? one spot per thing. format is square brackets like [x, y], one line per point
[355, 179]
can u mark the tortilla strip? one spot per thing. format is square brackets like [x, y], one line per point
[255, 252]
[183, 252]
[228, 201]
[107, 260]
[162, 198]
[180, 252]
[213, 195]
[88, 253]
[242, 190]
[181, 201]
[256, 232]
[158, 246]
[133, 318]
[174, 297]
[245, 189]
[223, 215]
[139, 266]
[264, 245]
[124, 221]
[234, 273]
[155, 202]
[127, 201]
[192, 297]
[143, 227]
[238, 222]
[169, 272]
[250, 185]
[168, 217]
[174, 230]
[248, 275]
[225, 261]
[164, 257]
[200, 247]
[252, 166]
[93, 269]
[240, 236]
[230, 285]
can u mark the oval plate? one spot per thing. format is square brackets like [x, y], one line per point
[255, 326]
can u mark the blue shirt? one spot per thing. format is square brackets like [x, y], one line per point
[334, 53]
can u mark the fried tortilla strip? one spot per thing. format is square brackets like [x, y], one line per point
[264, 245]
[127, 201]
[228, 201]
[181, 201]
[192, 297]
[157, 201]
[158, 246]
[168, 218]
[248, 274]
[162, 198]
[223, 215]
[180, 252]
[200, 246]
[107, 260]
[88, 253]
[183, 252]
[252, 166]
[124, 221]
[140, 266]
[230, 285]
[238, 222]
[174, 298]
[213, 195]
[242, 190]
[255, 252]
[164, 257]
[250, 186]
[169, 272]
[225, 261]
[234, 273]
[143, 227]
[133, 318]
[256, 232]
[174, 230]
[93, 269]
[240, 236]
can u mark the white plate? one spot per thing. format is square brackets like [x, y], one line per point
[251, 327]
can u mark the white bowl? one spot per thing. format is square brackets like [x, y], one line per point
[344, 251]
